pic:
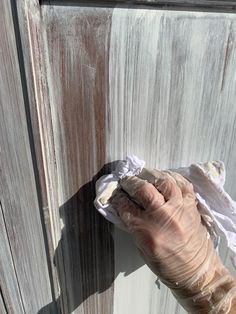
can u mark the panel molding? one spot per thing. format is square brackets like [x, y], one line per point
[31, 29]
[23, 238]
[205, 5]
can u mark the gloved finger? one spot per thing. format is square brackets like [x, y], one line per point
[153, 176]
[185, 186]
[129, 212]
[169, 189]
[143, 193]
[157, 178]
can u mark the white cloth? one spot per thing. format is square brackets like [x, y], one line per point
[106, 185]
[216, 207]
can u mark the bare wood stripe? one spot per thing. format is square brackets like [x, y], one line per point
[76, 59]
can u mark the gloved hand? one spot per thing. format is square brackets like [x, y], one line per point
[160, 210]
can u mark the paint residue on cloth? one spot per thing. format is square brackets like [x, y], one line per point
[216, 207]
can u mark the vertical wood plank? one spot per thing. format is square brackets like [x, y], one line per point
[76, 59]
[2, 305]
[8, 280]
[17, 186]
[30, 26]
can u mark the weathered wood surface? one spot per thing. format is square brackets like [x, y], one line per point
[94, 75]
[2, 305]
[172, 89]
[76, 59]
[23, 261]
[173, 73]
[30, 31]
[8, 281]
[158, 84]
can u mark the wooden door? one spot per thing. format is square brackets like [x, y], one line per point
[103, 80]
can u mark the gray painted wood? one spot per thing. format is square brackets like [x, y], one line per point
[172, 89]
[2, 305]
[28, 13]
[18, 194]
[8, 281]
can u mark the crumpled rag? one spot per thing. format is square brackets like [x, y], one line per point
[216, 207]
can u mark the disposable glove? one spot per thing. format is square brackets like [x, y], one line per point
[159, 209]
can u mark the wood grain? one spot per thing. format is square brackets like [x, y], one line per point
[172, 89]
[177, 83]
[166, 76]
[2, 305]
[76, 59]
[29, 26]
[8, 281]
[20, 208]
[104, 83]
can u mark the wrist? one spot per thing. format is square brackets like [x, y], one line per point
[213, 291]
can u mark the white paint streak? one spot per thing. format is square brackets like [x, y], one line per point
[167, 105]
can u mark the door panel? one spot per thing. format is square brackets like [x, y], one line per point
[156, 83]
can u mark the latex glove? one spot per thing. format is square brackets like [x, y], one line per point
[163, 218]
